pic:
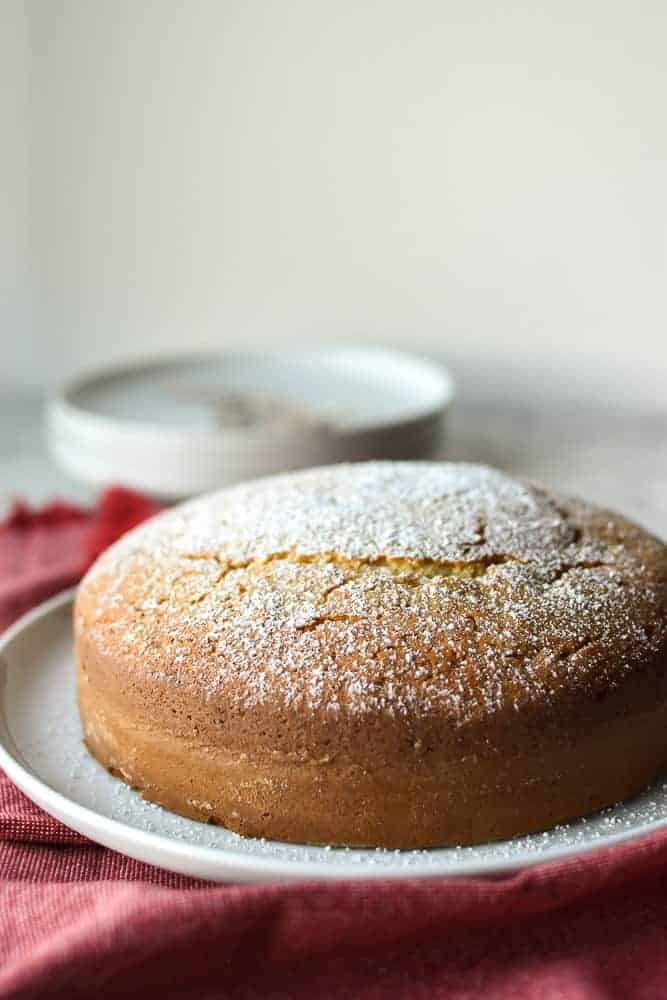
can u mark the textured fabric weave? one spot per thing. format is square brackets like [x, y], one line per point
[77, 920]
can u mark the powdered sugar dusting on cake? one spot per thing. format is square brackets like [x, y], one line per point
[410, 589]
[421, 510]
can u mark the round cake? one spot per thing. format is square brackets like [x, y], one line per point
[385, 654]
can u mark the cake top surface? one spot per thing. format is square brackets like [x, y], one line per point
[433, 511]
[400, 587]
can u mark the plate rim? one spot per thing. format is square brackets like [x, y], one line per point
[174, 855]
[65, 397]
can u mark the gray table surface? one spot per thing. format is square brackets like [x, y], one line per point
[615, 457]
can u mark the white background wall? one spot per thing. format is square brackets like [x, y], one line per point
[16, 288]
[486, 180]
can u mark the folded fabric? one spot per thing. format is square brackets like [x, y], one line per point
[77, 920]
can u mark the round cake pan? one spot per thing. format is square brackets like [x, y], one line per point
[182, 426]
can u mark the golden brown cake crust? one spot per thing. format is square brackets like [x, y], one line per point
[391, 654]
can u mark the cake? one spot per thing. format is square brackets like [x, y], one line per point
[399, 655]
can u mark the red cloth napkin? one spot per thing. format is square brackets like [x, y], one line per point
[46, 550]
[77, 920]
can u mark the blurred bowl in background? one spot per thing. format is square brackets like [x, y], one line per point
[181, 426]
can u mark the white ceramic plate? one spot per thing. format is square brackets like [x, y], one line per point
[163, 426]
[41, 750]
